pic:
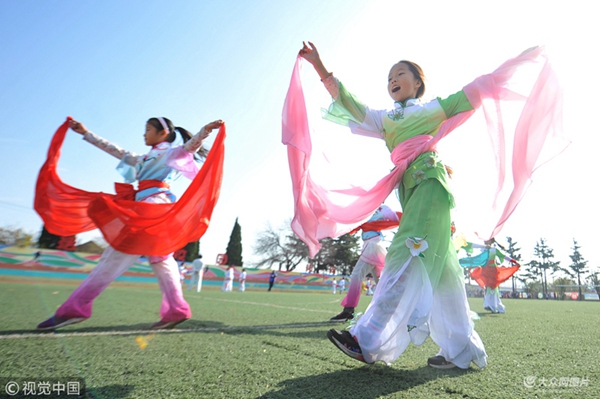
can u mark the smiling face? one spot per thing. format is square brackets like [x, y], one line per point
[402, 83]
[153, 136]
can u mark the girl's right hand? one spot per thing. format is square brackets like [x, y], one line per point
[77, 127]
[310, 54]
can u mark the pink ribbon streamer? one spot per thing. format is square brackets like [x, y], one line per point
[317, 215]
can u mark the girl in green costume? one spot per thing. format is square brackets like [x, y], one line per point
[421, 291]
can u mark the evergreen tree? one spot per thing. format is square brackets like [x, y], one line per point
[47, 239]
[325, 258]
[192, 251]
[532, 275]
[545, 261]
[513, 252]
[577, 266]
[346, 253]
[234, 248]
[341, 253]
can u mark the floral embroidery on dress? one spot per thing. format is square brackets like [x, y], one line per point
[419, 176]
[417, 246]
[396, 114]
[430, 161]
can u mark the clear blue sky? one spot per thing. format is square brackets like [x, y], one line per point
[112, 65]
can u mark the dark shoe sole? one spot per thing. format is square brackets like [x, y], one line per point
[74, 320]
[340, 346]
[442, 365]
[166, 326]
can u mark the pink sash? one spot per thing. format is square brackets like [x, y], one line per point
[537, 139]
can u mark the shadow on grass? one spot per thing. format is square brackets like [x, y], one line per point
[368, 382]
[189, 326]
[109, 392]
[488, 314]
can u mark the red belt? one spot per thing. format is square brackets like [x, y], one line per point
[126, 191]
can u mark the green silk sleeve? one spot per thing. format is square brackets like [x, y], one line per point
[345, 108]
[455, 104]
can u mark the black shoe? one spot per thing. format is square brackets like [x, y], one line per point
[57, 322]
[166, 325]
[344, 316]
[346, 343]
[439, 362]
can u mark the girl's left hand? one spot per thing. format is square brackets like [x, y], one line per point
[77, 127]
[210, 126]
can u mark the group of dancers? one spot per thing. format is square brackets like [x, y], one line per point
[420, 290]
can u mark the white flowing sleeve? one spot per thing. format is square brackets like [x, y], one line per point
[194, 144]
[110, 148]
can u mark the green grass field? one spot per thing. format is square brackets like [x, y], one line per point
[273, 345]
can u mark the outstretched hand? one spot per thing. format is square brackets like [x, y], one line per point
[210, 126]
[309, 53]
[77, 127]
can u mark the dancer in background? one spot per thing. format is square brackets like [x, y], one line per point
[488, 272]
[243, 275]
[197, 274]
[371, 260]
[342, 284]
[228, 280]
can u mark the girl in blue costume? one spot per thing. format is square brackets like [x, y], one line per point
[421, 291]
[154, 171]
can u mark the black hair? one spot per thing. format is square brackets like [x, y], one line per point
[185, 134]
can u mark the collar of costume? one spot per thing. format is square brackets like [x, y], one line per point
[163, 145]
[410, 102]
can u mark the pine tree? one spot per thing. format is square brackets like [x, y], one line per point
[347, 253]
[234, 248]
[577, 266]
[513, 252]
[192, 250]
[545, 261]
[47, 239]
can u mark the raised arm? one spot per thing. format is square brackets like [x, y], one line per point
[102, 143]
[194, 144]
[310, 54]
